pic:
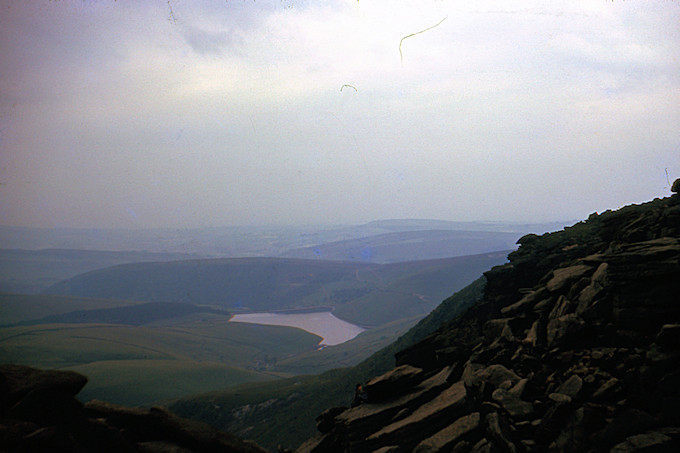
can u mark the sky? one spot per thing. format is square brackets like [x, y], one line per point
[177, 113]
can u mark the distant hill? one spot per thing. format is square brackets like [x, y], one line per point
[404, 225]
[32, 259]
[235, 241]
[409, 246]
[361, 293]
[32, 271]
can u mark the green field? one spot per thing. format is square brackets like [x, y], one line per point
[138, 364]
[147, 382]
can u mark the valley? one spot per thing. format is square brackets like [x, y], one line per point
[167, 325]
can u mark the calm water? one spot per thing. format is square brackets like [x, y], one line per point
[324, 324]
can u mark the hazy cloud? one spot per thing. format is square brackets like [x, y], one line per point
[116, 114]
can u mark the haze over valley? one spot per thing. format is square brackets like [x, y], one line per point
[240, 210]
[171, 318]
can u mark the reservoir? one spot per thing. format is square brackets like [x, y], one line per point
[332, 330]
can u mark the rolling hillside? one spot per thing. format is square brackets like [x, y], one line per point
[361, 293]
[127, 363]
[22, 308]
[178, 320]
[32, 271]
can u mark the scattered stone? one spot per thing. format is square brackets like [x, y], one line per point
[496, 328]
[561, 308]
[562, 277]
[451, 401]
[648, 442]
[483, 446]
[525, 303]
[572, 386]
[518, 389]
[532, 335]
[387, 449]
[516, 407]
[499, 433]
[584, 323]
[450, 435]
[560, 398]
[493, 375]
[39, 413]
[564, 328]
[607, 390]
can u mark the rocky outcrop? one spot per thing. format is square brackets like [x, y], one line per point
[574, 347]
[39, 413]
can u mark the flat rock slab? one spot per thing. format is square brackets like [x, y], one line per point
[451, 399]
[494, 374]
[448, 436]
[562, 277]
[390, 407]
[516, 407]
[652, 442]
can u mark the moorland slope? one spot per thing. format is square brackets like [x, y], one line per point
[573, 347]
[356, 292]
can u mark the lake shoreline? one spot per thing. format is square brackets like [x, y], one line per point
[331, 329]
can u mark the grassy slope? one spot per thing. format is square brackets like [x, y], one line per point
[413, 289]
[242, 283]
[284, 411]
[135, 315]
[147, 382]
[17, 308]
[203, 347]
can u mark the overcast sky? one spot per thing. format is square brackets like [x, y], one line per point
[185, 113]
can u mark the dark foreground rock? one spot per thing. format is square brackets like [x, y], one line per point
[575, 347]
[39, 413]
